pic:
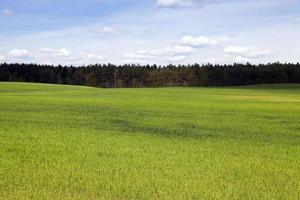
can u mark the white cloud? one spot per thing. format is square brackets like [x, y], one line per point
[175, 58]
[247, 52]
[235, 50]
[140, 55]
[221, 59]
[182, 3]
[63, 52]
[109, 30]
[59, 56]
[212, 60]
[169, 54]
[227, 59]
[66, 57]
[18, 53]
[7, 12]
[174, 50]
[240, 59]
[90, 58]
[182, 49]
[203, 41]
[199, 41]
[1, 58]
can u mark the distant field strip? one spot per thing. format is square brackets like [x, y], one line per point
[69, 142]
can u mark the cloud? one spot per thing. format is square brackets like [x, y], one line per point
[63, 52]
[179, 52]
[59, 56]
[169, 54]
[240, 59]
[109, 30]
[90, 58]
[183, 3]
[247, 52]
[1, 58]
[66, 57]
[199, 41]
[228, 59]
[18, 53]
[7, 12]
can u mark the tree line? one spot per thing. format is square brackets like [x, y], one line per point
[119, 76]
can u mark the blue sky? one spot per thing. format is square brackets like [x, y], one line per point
[79, 32]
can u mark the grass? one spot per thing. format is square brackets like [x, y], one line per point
[68, 142]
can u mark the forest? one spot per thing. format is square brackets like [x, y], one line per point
[134, 76]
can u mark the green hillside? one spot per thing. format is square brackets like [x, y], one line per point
[71, 142]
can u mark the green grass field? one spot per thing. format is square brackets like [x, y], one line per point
[71, 142]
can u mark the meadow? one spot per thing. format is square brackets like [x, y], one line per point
[73, 142]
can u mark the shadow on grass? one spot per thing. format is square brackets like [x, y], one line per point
[271, 86]
[192, 131]
[182, 130]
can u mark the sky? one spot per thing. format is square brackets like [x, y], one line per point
[82, 32]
